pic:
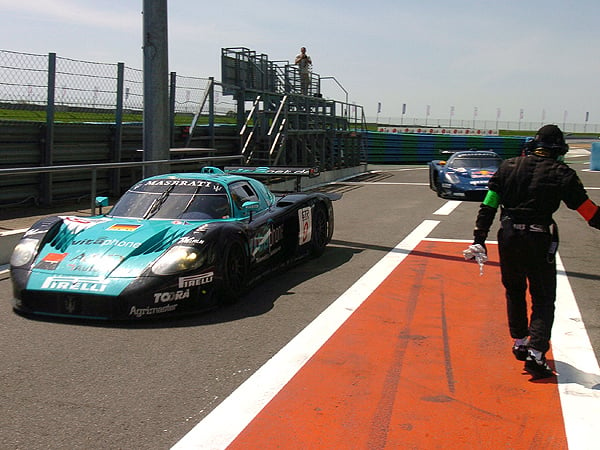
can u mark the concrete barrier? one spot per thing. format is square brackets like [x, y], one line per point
[8, 240]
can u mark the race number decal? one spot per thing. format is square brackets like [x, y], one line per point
[305, 218]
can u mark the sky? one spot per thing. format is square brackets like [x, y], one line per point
[481, 59]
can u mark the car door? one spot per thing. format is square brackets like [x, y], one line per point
[264, 229]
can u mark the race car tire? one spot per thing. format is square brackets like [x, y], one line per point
[320, 231]
[431, 178]
[438, 187]
[235, 271]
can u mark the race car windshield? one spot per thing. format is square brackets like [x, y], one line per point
[172, 205]
[476, 163]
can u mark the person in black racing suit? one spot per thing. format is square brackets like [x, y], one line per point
[529, 190]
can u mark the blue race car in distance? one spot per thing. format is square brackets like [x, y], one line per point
[173, 244]
[464, 175]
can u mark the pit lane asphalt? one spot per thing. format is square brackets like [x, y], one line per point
[141, 386]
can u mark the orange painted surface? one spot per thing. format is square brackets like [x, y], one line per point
[424, 363]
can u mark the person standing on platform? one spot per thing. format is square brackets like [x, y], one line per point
[304, 65]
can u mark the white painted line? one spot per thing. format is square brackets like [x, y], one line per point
[466, 241]
[407, 169]
[576, 364]
[447, 209]
[577, 367]
[11, 232]
[577, 152]
[218, 429]
[375, 183]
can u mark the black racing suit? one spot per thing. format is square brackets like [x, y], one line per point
[529, 190]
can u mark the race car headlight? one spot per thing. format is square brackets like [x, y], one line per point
[24, 252]
[178, 259]
[451, 177]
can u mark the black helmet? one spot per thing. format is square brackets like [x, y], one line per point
[550, 137]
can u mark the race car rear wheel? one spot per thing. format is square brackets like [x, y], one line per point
[235, 271]
[320, 231]
[437, 186]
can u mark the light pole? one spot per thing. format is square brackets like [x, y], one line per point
[520, 117]
[403, 112]
[156, 137]
[543, 117]
[498, 111]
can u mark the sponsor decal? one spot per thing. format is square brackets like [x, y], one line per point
[41, 227]
[482, 174]
[263, 242]
[164, 297]
[276, 235]
[94, 263]
[196, 280]
[123, 227]
[298, 171]
[177, 182]
[61, 283]
[78, 224]
[190, 240]
[305, 217]
[50, 261]
[33, 231]
[149, 311]
[103, 241]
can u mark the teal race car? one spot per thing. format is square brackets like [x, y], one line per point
[173, 244]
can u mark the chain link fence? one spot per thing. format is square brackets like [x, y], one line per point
[23, 81]
[568, 127]
[86, 91]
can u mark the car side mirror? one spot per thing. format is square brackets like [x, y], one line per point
[250, 207]
[100, 202]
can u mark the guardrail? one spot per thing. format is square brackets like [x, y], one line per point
[95, 167]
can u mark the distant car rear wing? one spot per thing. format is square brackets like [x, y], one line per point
[453, 151]
[298, 172]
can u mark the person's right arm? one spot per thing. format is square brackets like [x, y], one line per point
[576, 198]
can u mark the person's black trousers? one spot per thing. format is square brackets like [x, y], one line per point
[524, 259]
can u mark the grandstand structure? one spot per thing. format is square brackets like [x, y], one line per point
[279, 123]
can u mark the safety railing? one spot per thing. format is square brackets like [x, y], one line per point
[95, 167]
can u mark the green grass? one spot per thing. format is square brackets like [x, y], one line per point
[38, 114]
[24, 115]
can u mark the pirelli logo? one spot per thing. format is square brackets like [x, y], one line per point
[196, 280]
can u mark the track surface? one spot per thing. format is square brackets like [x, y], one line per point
[423, 361]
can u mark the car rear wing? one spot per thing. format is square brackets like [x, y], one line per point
[298, 172]
[456, 150]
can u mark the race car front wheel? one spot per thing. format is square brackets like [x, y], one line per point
[235, 271]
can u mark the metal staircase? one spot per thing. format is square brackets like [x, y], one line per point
[284, 127]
